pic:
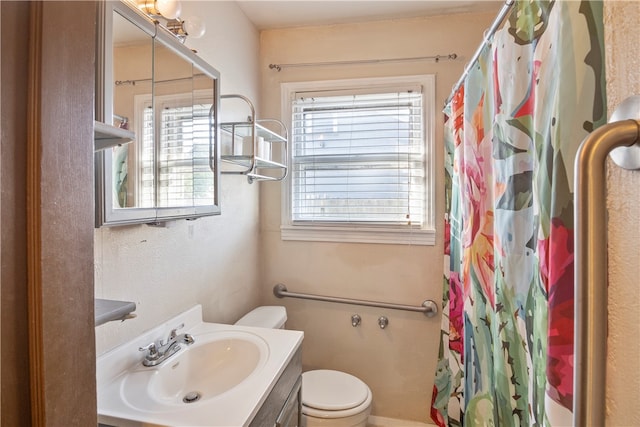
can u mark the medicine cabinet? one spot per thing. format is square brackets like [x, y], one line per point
[156, 134]
[256, 148]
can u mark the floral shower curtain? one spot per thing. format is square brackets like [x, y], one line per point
[511, 134]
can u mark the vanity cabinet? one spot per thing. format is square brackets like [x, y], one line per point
[283, 406]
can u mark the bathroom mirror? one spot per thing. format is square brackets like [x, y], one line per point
[152, 85]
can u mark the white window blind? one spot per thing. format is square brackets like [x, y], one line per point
[358, 158]
[182, 155]
[203, 188]
[146, 192]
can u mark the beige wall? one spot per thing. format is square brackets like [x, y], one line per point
[622, 45]
[212, 261]
[398, 363]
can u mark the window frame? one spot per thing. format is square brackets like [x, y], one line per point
[364, 233]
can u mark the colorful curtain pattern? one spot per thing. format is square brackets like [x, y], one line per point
[511, 134]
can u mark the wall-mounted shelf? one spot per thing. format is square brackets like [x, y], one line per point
[254, 149]
[107, 136]
[107, 310]
[245, 161]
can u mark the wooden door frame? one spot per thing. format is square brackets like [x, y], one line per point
[60, 214]
[15, 396]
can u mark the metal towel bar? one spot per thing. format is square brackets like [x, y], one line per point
[429, 308]
[590, 335]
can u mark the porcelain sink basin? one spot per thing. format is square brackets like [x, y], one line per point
[204, 370]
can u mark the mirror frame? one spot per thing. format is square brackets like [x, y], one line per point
[106, 213]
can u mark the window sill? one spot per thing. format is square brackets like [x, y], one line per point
[389, 236]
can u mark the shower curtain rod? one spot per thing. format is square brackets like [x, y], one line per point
[133, 82]
[436, 58]
[494, 27]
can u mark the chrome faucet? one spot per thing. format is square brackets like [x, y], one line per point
[159, 351]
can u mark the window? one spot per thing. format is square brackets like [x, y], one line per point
[182, 156]
[361, 154]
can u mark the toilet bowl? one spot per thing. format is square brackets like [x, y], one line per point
[334, 398]
[329, 398]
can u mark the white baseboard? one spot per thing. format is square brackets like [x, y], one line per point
[375, 421]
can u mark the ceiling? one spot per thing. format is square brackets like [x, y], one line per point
[268, 14]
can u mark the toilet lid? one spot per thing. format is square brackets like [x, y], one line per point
[332, 390]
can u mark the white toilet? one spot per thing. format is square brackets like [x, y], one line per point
[329, 398]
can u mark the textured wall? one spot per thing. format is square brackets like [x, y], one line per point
[622, 44]
[212, 261]
[399, 362]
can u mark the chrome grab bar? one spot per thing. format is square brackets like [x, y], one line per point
[590, 267]
[429, 308]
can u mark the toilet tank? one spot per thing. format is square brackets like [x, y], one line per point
[267, 316]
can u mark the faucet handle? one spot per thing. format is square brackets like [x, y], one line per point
[153, 351]
[174, 333]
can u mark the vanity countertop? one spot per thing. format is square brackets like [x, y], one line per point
[235, 407]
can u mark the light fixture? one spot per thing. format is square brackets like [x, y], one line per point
[167, 14]
[168, 9]
[192, 27]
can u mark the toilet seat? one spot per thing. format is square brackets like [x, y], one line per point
[333, 394]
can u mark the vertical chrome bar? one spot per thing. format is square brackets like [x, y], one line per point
[590, 336]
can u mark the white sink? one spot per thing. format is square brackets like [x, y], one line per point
[221, 379]
[213, 365]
